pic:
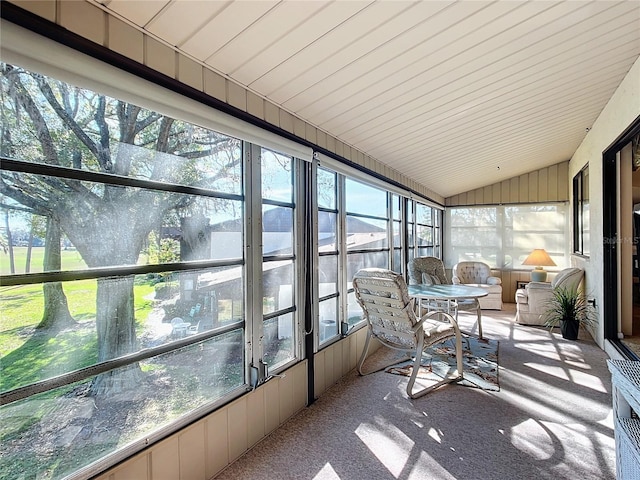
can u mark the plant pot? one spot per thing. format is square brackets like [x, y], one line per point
[569, 329]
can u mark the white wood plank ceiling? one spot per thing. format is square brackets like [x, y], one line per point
[456, 95]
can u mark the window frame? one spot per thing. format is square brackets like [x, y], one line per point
[581, 218]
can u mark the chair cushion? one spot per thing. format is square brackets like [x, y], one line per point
[568, 278]
[429, 279]
[489, 288]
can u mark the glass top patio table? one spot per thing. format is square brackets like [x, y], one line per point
[445, 292]
[453, 296]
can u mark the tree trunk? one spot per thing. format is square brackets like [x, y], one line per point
[27, 263]
[115, 322]
[56, 313]
[12, 264]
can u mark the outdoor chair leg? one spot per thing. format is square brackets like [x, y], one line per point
[363, 358]
[479, 314]
[449, 379]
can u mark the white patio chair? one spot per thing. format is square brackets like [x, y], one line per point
[392, 320]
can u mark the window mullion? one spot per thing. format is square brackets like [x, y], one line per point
[253, 255]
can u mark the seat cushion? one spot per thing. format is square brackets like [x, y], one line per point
[489, 288]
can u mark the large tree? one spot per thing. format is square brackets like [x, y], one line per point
[108, 224]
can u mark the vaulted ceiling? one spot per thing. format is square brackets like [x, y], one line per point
[455, 95]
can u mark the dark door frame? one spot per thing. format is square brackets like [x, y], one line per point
[610, 236]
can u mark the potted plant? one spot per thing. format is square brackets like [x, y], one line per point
[569, 309]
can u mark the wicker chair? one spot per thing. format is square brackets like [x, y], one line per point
[478, 274]
[533, 300]
[430, 271]
[391, 318]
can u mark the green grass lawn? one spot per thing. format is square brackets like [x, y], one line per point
[70, 259]
[29, 355]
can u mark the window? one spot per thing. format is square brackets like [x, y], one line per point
[367, 235]
[328, 255]
[581, 212]
[125, 279]
[503, 236]
[279, 259]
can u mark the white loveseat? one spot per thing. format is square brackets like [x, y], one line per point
[532, 301]
[478, 274]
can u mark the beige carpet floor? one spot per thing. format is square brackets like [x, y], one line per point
[551, 419]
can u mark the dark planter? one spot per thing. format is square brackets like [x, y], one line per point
[569, 329]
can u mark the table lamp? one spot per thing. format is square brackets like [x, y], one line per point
[539, 258]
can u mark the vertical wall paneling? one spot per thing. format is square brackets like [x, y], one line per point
[505, 189]
[192, 452]
[563, 181]
[322, 139]
[299, 373]
[285, 386]
[217, 430]
[543, 184]
[552, 180]
[215, 85]
[496, 193]
[255, 105]
[237, 96]
[514, 190]
[286, 121]
[272, 406]
[159, 57]
[190, 73]
[533, 187]
[136, 467]
[523, 188]
[125, 40]
[44, 9]
[328, 366]
[311, 133]
[549, 184]
[238, 442]
[256, 416]
[471, 197]
[84, 19]
[298, 127]
[318, 373]
[165, 459]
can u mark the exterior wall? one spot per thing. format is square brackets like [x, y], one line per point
[620, 112]
[100, 26]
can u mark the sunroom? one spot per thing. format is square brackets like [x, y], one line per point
[185, 208]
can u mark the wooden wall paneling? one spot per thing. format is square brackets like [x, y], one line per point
[543, 184]
[533, 187]
[553, 183]
[514, 193]
[523, 188]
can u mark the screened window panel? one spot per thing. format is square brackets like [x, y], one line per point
[277, 176]
[356, 261]
[326, 187]
[327, 231]
[182, 381]
[503, 236]
[329, 319]
[327, 275]
[366, 233]
[279, 340]
[365, 200]
[277, 230]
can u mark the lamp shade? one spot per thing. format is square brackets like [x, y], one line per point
[540, 258]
